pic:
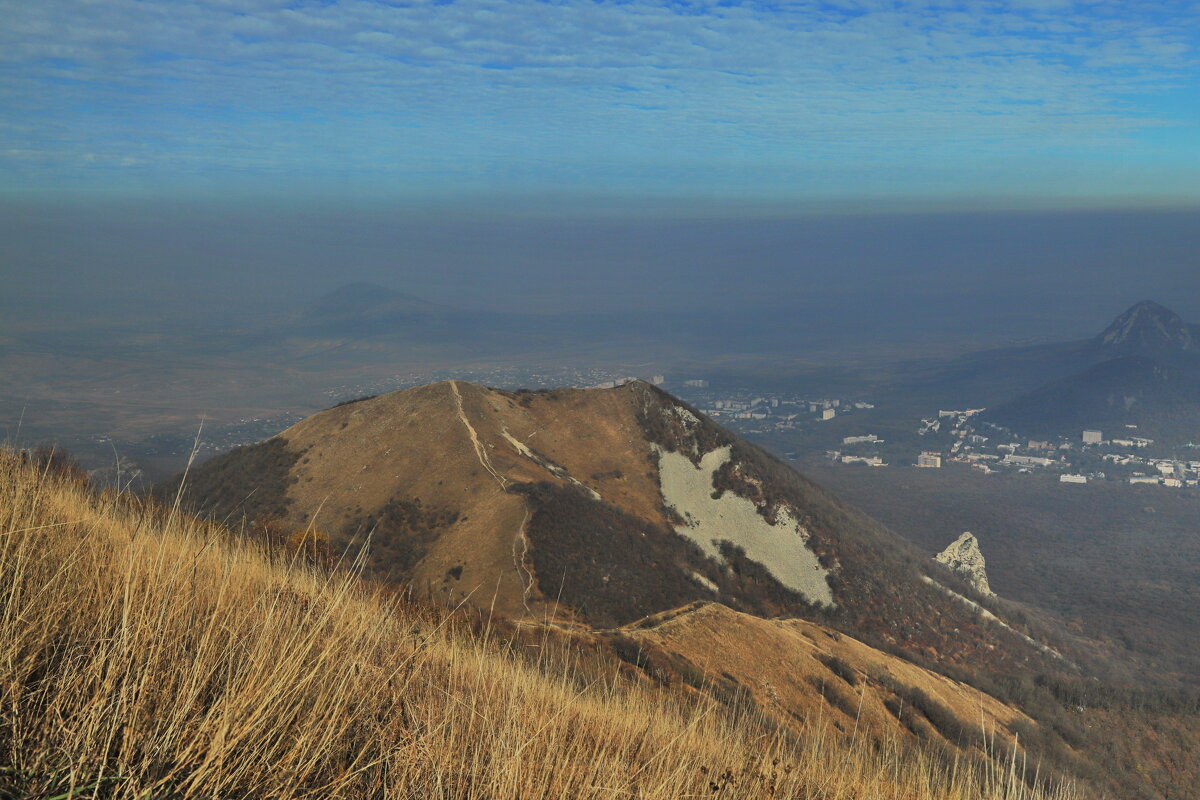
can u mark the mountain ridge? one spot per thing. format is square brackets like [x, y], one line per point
[596, 507]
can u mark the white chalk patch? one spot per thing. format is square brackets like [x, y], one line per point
[706, 583]
[781, 548]
[553, 469]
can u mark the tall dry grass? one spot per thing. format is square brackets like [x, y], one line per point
[145, 654]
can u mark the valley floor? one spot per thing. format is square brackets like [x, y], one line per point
[1121, 564]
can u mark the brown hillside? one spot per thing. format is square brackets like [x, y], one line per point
[813, 673]
[596, 506]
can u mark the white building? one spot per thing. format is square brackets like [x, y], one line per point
[1093, 437]
[869, 438]
[828, 414]
[870, 461]
[1072, 479]
[1028, 461]
[929, 460]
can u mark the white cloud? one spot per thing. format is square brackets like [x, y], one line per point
[529, 87]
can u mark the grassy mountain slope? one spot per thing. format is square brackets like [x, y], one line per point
[815, 673]
[147, 654]
[597, 507]
[1120, 563]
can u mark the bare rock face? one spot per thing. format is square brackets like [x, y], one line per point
[964, 557]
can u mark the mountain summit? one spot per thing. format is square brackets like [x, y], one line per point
[368, 298]
[1148, 329]
[1143, 370]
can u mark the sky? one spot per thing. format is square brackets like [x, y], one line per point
[1017, 104]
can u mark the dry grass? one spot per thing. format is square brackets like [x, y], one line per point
[144, 654]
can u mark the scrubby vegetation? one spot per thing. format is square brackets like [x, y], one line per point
[941, 718]
[144, 653]
[56, 461]
[246, 484]
[608, 565]
[840, 668]
[669, 430]
[353, 400]
[835, 696]
[614, 568]
[400, 534]
[1138, 740]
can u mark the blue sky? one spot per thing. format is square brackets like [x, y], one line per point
[1008, 103]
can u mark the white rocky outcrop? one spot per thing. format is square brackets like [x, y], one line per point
[710, 518]
[965, 558]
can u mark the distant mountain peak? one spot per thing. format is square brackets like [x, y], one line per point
[362, 297]
[1148, 327]
[362, 310]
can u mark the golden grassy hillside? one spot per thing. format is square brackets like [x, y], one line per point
[144, 654]
[814, 672]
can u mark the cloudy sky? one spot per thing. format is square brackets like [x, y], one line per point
[1023, 102]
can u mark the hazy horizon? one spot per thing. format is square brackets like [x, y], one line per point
[995, 275]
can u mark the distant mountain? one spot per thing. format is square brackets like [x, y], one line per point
[367, 317]
[1130, 390]
[370, 300]
[1148, 329]
[367, 309]
[597, 507]
[1142, 369]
